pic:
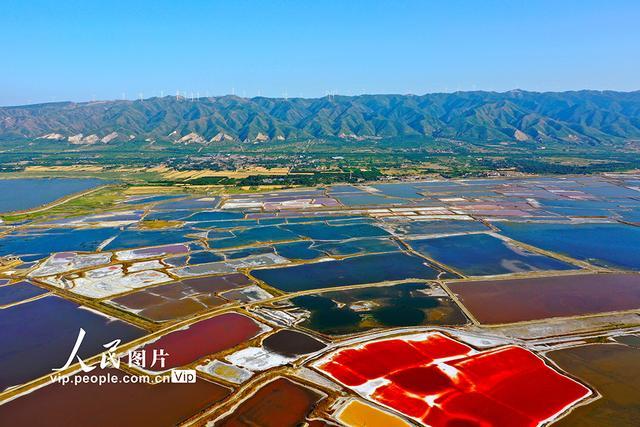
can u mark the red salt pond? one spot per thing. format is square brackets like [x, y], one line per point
[203, 338]
[442, 382]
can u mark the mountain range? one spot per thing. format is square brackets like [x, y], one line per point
[578, 117]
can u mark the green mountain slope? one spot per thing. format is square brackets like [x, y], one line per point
[582, 117]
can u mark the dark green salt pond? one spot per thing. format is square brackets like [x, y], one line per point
[357, 310]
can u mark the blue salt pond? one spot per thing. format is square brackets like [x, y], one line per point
[483, 254]
[227, 224]
[322, 231]
[40, 243]
[215, 216]
[631, 216]
[21, 291]
[203, 257]
[607, 245]
[367, 199]
[249, 236]
[349, 271]
[153, 199]
[137, 238]
[340, 189]
[243, 253]
[202, 203]
[29, 193]
[169, 215]
[437, 227]
[399, 190]
[298, 250]
[358, 246]
[316, 218]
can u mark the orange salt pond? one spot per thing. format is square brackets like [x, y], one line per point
[356, 413]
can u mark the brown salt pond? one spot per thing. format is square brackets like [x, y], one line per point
[516, 300]
[292, 343]
[179, 309]
[178, 300]
[280, 403]
[218, 283]
[614, 371]
[202, 338]
[111, 404]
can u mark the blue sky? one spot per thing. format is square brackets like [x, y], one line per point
[92, 49]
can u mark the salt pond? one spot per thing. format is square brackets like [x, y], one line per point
[48, 328]
[608, 245]
[28, 193]
[349, 271]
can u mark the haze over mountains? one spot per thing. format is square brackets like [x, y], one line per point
[582, 117]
